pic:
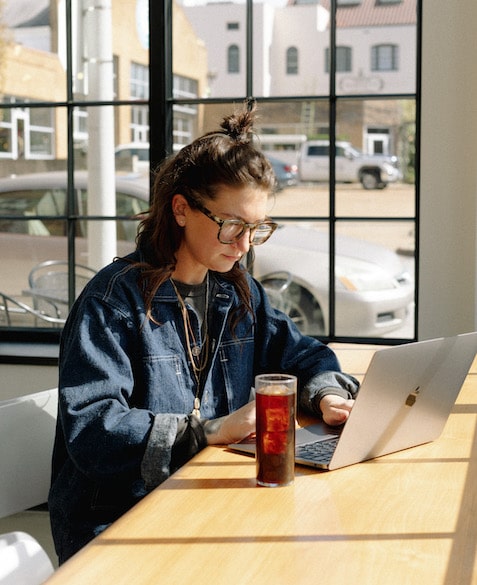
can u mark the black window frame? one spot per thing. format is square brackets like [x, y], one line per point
[161, 103]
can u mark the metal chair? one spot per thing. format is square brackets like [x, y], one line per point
[15, 312]
[49, 283]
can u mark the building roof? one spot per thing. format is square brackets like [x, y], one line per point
[17, 13]
[370, 12]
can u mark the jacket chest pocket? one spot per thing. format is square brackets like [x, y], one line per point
[166, 379]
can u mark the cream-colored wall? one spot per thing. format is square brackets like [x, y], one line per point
[19, 380]
[447, 287]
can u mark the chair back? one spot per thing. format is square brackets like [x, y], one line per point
[27, 431]
[22, 560]
[15, 312]
[50, 281]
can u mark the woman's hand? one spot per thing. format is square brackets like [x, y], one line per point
[231, 428]
[335, 409]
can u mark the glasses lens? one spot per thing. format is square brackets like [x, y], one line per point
[231, 231]
[261, 233]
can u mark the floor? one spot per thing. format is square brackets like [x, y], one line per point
[35, 522]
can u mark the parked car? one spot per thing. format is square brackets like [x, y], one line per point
[372, 171]
[135, 156]
[286, 173]
[41, 199]
[373, 291]
[132, 156]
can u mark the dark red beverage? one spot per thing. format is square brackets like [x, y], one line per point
[275, 432]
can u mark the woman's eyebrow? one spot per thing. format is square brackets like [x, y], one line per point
[235, 216]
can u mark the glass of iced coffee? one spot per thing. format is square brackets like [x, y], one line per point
[275, 396]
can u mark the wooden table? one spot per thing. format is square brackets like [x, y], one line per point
[407, 518]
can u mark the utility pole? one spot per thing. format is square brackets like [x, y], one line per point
[97, 29]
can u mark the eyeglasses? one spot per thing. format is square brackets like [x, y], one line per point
[232, 230]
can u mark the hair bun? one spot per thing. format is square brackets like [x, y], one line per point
[239, 125]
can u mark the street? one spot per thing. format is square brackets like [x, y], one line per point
[352, 201]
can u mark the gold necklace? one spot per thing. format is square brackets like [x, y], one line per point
[193, 351]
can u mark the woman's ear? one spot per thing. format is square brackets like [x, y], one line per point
[179, 208]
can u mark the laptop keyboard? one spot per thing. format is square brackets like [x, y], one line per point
[319, 451]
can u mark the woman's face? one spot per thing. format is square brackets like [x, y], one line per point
[200, 249]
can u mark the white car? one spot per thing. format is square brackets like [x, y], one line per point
[373, 290]
[372, 171]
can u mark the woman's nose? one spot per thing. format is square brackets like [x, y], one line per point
[243, 244]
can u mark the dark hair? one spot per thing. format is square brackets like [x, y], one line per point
[224, 157]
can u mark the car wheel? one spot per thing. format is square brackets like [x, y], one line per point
[369, 180]
[295, 301]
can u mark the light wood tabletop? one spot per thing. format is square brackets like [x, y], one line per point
[406, 518]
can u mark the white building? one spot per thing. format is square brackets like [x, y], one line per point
[376, 47]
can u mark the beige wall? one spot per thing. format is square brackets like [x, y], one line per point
[19, 380]
[447, 287]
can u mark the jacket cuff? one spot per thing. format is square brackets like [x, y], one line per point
[325, 383]
[174, 439]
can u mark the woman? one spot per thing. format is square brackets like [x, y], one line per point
[160, 351]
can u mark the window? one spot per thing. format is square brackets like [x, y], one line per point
[292, 61]
[139, 87]
[233, 59]
[26, 133]
[139, 81]
[356, 131]
[385, 58]
[343, 59]
[185, 115]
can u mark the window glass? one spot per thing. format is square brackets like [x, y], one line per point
[90, 158]
[343, 59]
[292, 60]
[293, 266]
[383, 38]
[375, 155]
[209, 42]
[375, 263]
[385, 58]
[233, 59]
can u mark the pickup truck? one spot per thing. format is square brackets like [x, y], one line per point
[372, 171]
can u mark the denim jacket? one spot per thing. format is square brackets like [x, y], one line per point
[126, 386]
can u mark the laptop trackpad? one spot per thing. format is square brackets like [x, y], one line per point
[316, 432]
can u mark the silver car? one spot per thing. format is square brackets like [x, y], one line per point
[373, 290]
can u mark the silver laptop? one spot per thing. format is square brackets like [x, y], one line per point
[405, 400]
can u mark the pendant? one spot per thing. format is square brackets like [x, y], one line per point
[196, 409]
[196, 351]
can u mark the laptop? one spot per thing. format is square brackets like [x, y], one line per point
[404, 400]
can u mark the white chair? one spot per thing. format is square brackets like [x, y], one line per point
[22, 560]
[27, 431]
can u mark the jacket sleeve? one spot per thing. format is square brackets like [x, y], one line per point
[282, 347]
[107, 433]
[326, 383]
[174, 439]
